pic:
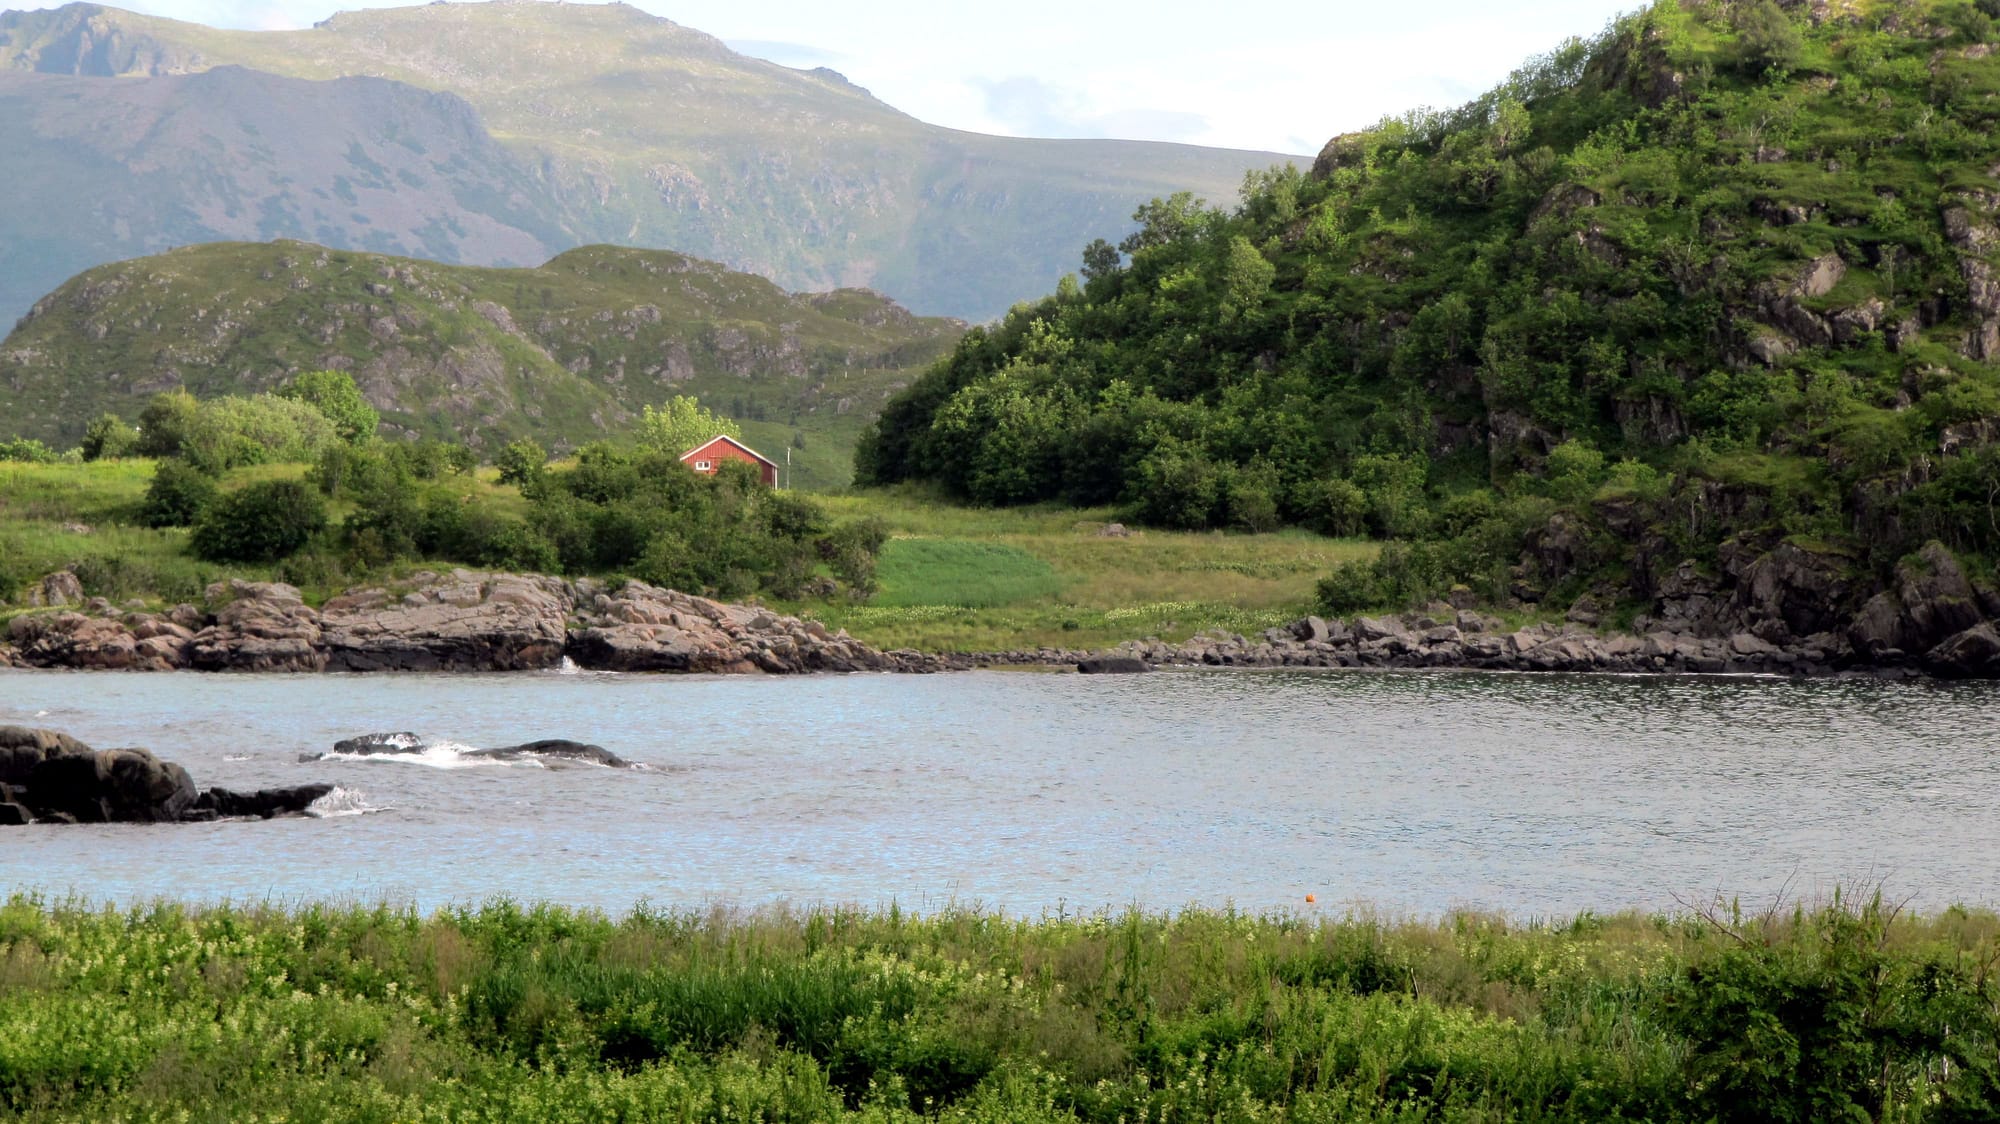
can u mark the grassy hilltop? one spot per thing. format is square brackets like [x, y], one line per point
[565, 352]
[1717, 287]
[538, 125]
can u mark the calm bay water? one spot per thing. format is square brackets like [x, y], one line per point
[1536, 796]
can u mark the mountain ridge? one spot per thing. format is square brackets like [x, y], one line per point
[635, 130]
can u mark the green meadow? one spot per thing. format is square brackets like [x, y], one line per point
[309, 1013]
[957, 578]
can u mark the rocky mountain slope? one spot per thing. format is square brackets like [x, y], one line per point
[1696, 323]
[561, 352]
[104, 171]
[616, 126]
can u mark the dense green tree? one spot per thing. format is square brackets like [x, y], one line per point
[682, 424]
[108, 437]
[334, 394]
[263, 522]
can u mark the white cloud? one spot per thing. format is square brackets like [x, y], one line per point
[1279, 75]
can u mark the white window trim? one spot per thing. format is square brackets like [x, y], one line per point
[702, 466]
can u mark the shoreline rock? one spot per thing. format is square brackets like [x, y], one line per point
[49, 777]
[1782, 615]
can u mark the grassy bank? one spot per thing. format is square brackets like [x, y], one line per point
[952, 578]
[503, 1013]
[984, 579]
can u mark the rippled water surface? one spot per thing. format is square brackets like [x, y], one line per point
[1027, 792]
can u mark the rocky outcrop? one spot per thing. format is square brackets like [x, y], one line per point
[50, 777]
[644, 628]
[457, 622]
[258, 626]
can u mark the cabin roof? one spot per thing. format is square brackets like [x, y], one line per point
[710, 443]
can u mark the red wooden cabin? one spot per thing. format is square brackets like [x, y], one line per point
[708, 458]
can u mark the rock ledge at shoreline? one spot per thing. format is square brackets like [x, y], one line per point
[1931, 622]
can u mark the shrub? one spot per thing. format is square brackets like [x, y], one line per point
[229, 432]
[1333, 507]
[108, 438]
[521, 462]
[1177, 485]
[335, 396]
[29, 450]
[178, 494]
[262, 523]
[165, 422]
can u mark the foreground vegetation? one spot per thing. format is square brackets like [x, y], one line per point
[507, 1013]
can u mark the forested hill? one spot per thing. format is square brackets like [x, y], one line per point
[561, 353]
[1715, 285]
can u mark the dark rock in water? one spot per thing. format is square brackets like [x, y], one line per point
[49, 777]
[371, 744]
[111, 786]
[1113, 665]
[557, 747]
[265, 802]
[375, 743]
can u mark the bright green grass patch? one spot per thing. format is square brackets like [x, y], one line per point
[1101, 589]
[961, 572]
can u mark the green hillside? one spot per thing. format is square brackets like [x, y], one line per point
[625, 128]
[563, 352]
[1716, 288]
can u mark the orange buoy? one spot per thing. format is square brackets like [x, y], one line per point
[1310, 899]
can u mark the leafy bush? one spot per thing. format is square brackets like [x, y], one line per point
[108, 437]
[178, 494]
[263, 522]
[521, 463]
[28, 450]
[335, 396]
[165, 423]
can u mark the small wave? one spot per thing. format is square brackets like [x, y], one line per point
[236, 757]
[341, 802]
[434, 755]
[568, 667]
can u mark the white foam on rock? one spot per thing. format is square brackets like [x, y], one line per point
[341, 802]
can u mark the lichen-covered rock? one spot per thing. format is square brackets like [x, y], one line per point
[462, 621]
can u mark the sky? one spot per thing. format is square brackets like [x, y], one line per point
[1273, 75]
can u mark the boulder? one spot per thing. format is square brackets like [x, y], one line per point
[1310, 629]
[1113, 665]
[259, 626]
[56, 590]
[1932, 600]
[1803, 589]
[463, 621]
[110, 786]
[22, 748]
